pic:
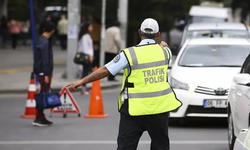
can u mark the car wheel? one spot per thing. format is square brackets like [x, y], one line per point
[231, 136]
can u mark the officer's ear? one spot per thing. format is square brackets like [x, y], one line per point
[139, 32]
[158, 34]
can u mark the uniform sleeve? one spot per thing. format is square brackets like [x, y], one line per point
[118, 63]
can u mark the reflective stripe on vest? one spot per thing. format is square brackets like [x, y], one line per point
[147, 86]
[147, 65]
[150, 94]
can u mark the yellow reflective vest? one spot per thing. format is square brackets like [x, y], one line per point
[148, 89]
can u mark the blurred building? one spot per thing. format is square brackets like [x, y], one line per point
[3, 8]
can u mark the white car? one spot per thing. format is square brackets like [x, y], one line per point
[209, 14]
[211, 30]
[202, 73]
[239, 103]
[243, 140]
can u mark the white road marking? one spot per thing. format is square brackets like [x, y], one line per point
[102, 142]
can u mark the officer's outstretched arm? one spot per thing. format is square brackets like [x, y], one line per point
[100, 73]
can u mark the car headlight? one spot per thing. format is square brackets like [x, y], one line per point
[179, 85]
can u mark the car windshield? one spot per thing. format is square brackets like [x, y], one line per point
[217, 33]
[196, 19]
[214, 56]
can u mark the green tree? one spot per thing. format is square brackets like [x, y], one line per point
[94, 8]
[164, 11]
[244, 4]
[18, 10]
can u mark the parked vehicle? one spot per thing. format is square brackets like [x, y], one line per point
[242, 142]
[202, 73]
[211, 30]
[239, 103]
[209, 14]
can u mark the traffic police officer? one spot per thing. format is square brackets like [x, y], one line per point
[146, 97]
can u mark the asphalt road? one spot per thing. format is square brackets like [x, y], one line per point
[96, 134]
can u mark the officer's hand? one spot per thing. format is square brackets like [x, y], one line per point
[74, 85]
[163, 44]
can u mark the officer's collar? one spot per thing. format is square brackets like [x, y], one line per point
[146, 41]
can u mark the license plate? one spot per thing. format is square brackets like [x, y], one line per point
[215, 103]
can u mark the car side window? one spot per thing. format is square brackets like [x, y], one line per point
[246, 65]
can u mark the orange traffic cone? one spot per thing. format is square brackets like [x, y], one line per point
[30, 111]
[96, 106]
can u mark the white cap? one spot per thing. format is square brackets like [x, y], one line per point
[150, 24]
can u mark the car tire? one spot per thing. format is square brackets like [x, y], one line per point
[231, 136]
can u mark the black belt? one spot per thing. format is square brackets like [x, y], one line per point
[129, 85]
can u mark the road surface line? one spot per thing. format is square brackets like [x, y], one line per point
[27, 68]
[9, 71]
[101, 142]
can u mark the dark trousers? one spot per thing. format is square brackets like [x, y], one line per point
[86, 70]
[63, 41]
[4, 34]
[44, 88]
[96, 61]
[25, 36]
[108, 58]
[14, 40]
[132, 127]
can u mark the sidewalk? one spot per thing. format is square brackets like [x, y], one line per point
[16, 67]
[19, 82]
